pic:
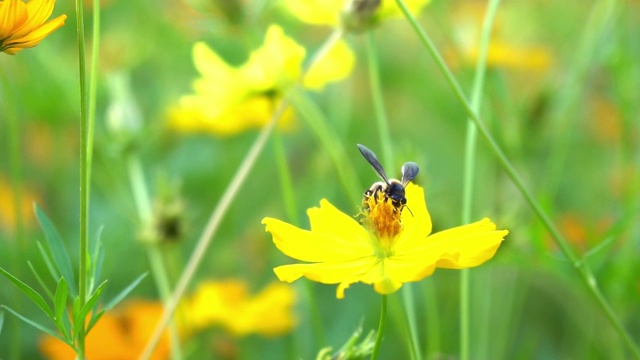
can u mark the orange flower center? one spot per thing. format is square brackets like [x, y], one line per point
[381, 218]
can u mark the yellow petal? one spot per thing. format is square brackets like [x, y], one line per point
[390, 9]
[416, 222]
[276, 64]
[317, 12]
[336, 65]
[13, 14]
[330, 221]
[465, 246]
[330, 272]
[314, 247]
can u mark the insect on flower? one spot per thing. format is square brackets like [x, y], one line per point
[391, 188]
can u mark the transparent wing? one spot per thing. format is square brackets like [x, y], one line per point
[409, 172]
[373, 160]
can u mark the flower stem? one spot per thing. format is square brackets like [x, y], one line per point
[383, 320]
[377, 99]
[158, 268]
[581, 267]
[469, 170]
[85, 174]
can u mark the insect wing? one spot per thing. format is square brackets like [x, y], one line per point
[373, 160]
[409, 172]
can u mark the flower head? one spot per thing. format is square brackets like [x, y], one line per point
[388, 247]
[22, 25]
[228, 304]
[228, 100]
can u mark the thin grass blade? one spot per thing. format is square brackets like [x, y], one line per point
[40, 281]
[124, 293]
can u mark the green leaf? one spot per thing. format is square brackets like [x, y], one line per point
[47, 260]
[124, 293]
[58, 251]
[80, 316]
[35, 324]
[32, 294]
[37, 276]
[1, 320]
[60, 305]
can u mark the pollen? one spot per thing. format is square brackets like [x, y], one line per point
[381, 217]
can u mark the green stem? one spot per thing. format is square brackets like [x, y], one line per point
[158, 268]
[581, 267]
[286, 184]
[377, 99]
[93, 83]
[84, 174]
[379, 335]
[469, 170]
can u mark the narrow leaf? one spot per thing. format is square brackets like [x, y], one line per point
[1, 320]
[60, 305]
[47, 260]
[56, 246]
[80, 316]
[32, 294]
[96, 260]
[42, 284]
[34, 324]
[124, 293]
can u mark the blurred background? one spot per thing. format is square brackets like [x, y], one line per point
[561, 97]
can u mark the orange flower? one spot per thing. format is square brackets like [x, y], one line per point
[22, 25]
[8, 211]
[121, 334]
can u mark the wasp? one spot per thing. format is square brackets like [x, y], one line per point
[391, 188]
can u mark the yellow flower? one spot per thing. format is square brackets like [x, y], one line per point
[330, 12]
[22, 25]
[228, 100]
[387, 248]
[120, 334]
[228, 304]
[8, 211]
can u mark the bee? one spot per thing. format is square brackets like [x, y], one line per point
[392, 188]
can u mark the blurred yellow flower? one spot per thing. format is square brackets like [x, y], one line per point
[387, 248]
[22, 25]
[228, 304]
[7, 208]
[228, 100]
[120, 334]
[331, 12]
[507, 48]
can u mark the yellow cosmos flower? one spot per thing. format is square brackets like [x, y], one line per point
[228, 304]
[22, 25]
[386, 249]
[330, 12]
[228, 100]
